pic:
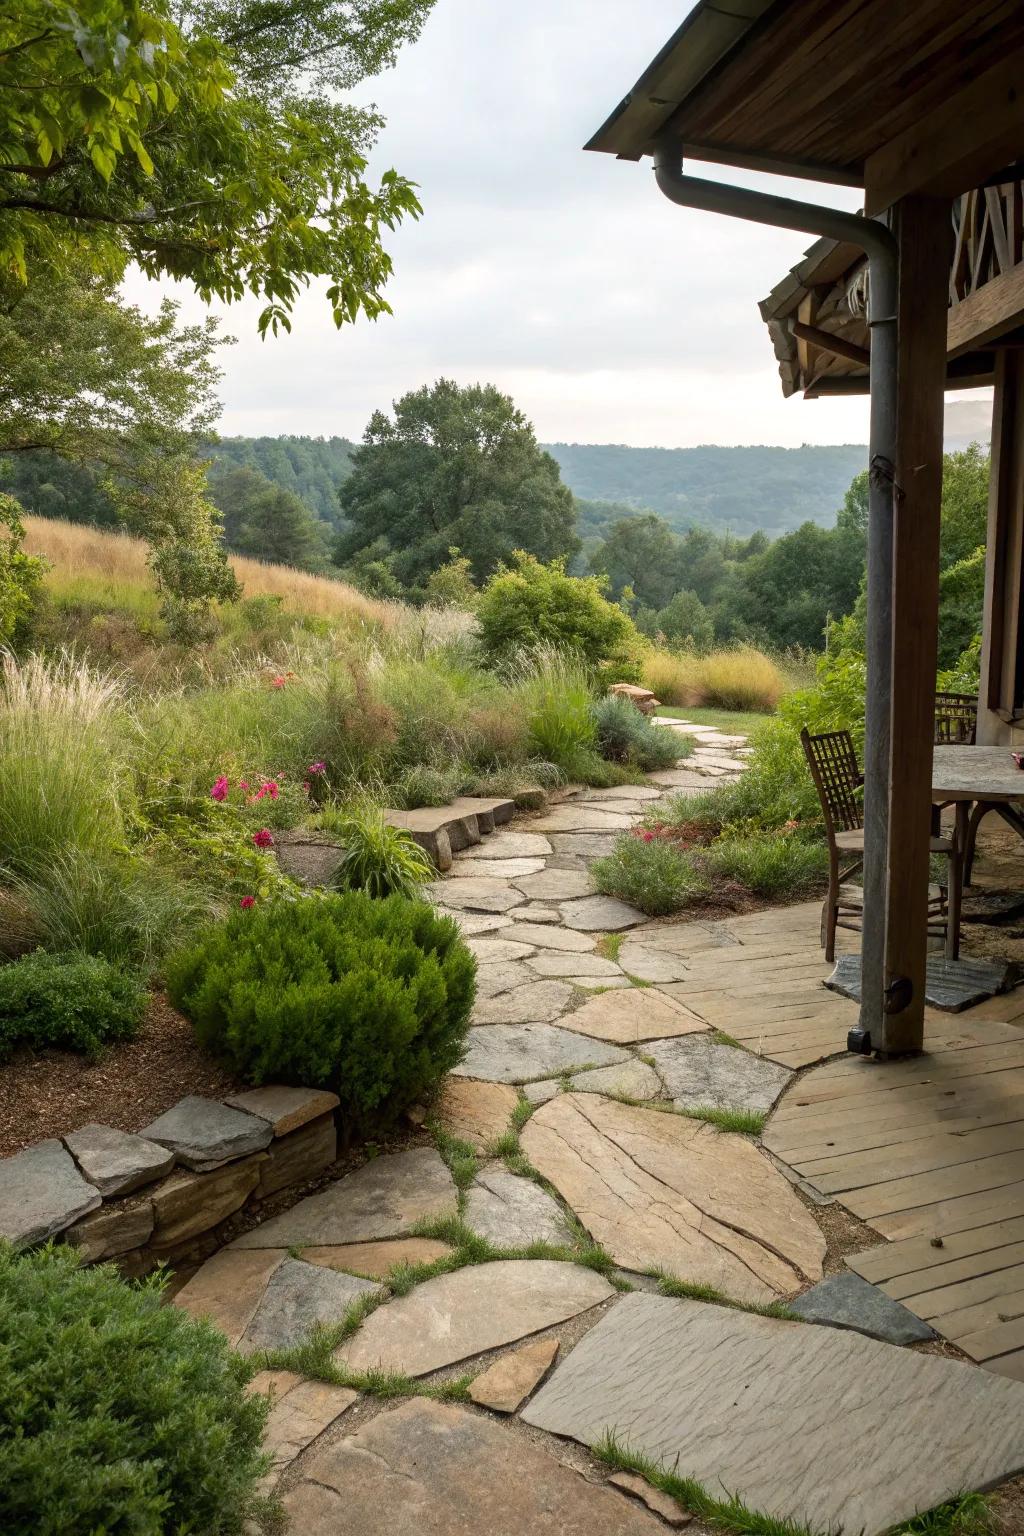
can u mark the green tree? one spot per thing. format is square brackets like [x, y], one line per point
[206, 143]
[685, 621]
[643, 553]
[265, 521]
[456, 466]
[964, 504]
[20, 574]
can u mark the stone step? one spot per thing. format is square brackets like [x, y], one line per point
[446, 829]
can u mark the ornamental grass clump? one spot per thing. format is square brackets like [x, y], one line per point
[377, 858]
[655, 876]
[370, 998]
[625, 735]
[117, 1413]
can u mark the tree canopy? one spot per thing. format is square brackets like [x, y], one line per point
[205, 143]
[454, 468]
[265, 521]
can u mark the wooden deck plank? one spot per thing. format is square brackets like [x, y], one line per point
[1001, 1306]
[907, 1194]
[993, 1341]
[1011, 1365]
[959, 1213]
[975, 1267]
[865, 1134]
[859, 1170]
[918, 1255]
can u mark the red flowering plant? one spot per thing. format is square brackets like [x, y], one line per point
[281, 802]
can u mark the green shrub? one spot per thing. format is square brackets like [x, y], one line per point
[423, 785]
[71, 1002]
[625, 735]
[118, 1414]
[533, 604]
[770, 864]
[369, 998]
[21, 575]
[650, 874]
[378, 859]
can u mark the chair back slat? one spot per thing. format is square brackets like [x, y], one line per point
[837, 778]
[956, 720]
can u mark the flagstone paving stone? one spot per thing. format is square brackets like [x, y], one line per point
[510, 845]
[543, 937]
[578, 817]
[435, 1469]
[492, 980]
[677, 778]
[661, 1503]
[847, 1301]
[374, 1260]
[481, 1307]
[495, 869]
[386, 1197]
[633, 1079]
[699, 1071]
[477, 1113]
[115, 1161]
[490, 951]
[505, 1385]
[301, 1411]
[554, 962]
[535, 912]
[478, 894]
[651, 964]
[820, 1426]
[204, 1134]
[539, 1093]
[626, 1019]
[515, 1053]
[556, 884]
[538, 1002]
[473, 923]
[512, 1212]
[229, 1287]
[664, 1192]
[42, 1192]
[299, 1295]
[623, 792]
[587, 845]
[599, 914]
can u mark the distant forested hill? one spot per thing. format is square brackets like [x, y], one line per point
[734, 489]
[311, 467]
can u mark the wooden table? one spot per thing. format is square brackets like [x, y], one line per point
[982, 778]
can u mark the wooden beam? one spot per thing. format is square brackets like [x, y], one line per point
[995, 307]
[980, 375]
[826, 342]
[975, 132]
[925, 237]
[1004, 557]
[770, 165]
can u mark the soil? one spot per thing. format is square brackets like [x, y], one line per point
[54, 1092]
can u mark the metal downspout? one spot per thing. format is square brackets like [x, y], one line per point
[881, 249]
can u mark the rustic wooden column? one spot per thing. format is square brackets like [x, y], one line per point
[1002, 642]
[924, 245]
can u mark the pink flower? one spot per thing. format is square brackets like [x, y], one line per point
[247, 902]
[648, 837]
[220, 788]
[268, 787]
[243, 783]
[263, 838]
[279, 681]
[317, 768]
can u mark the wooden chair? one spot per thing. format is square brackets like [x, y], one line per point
[838, 780]
[956, 719]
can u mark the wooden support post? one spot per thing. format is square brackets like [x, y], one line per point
[1001, 695]
[924, 240]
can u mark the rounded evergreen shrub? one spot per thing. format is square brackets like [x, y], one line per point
[117, 1414]
[368, 997]
[531, 604]
[70, 1001]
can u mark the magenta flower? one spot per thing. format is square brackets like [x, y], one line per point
[247, 902]
[243, 783]
[648, 837]
[220, 788]
[263, 838]
[317, 768]
[268, 787]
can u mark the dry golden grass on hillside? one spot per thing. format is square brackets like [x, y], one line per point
[93, 564]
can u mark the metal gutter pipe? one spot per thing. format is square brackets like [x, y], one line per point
[881, 249]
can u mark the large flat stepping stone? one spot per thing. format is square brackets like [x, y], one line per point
[628, 1017]
[505, 1385]
[439, 1470]
[512, 1212]
[387, 1197]
[511, 845]
[847, 1301]
[624, 792]
[481, 1307]
[475, 895]
[115, 1161]
[540, 936]
[539, 1002]
[492, 980]
[41, 1193]
[556, 884]
[301, 1411]
[229, 1287]
[678, 778]
[477, 1113]
[376, 1260]
[495, 869]
[287, 1109]
[825, 1428]
[663, 1192]
[515, 1053]
[650, 964]
[584, 845]
[204, 1134]
[498, 951]
[629, 1080]
[579, 817]
[554, 962]
[297, 1297]
[470, 924]
[700, 1073]
[599, 914]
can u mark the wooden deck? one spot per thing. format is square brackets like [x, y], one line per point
[929, 1152]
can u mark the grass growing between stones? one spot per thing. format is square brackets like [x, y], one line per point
[693, 1290]
[610, 944]
[745, 1122]
[969, 1514]
[729, 1514]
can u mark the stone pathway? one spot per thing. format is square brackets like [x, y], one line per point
[605, 1024]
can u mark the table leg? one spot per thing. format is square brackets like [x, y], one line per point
[956, 880]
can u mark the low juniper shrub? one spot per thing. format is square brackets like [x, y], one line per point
[370, 998]
[73, 1002]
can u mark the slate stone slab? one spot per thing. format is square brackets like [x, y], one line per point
[506, 1384]
[439, 1470]
[477, 1113]
[600, 914]
[588, 845]
[511, 845]
[470, 924]
[579, 817]
[204, 1134]
[554, 962]
[651, 964]
[539, 1002]
[495, 868]
[543, 937]
[462, 1314]
[301, 1411]
[632, 1079]
[386, 1197]
[951, 985]
[556, 884]
[298, 1296]
[515, 1053]
[41, 1193]
[639, 1014]
[286, 1108]
[817, 1425]
[373, 1260]
[492, 951]
[847, 1301]
[512, 1212]
[697, 1071]
[475, 895]
[115, 1161]
[229, 1287]
[492, 980]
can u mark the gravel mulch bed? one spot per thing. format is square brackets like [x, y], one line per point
[55, 1092]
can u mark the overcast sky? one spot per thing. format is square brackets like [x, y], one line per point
[564, 278]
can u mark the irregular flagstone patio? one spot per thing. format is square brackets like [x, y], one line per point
[785, 1415]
